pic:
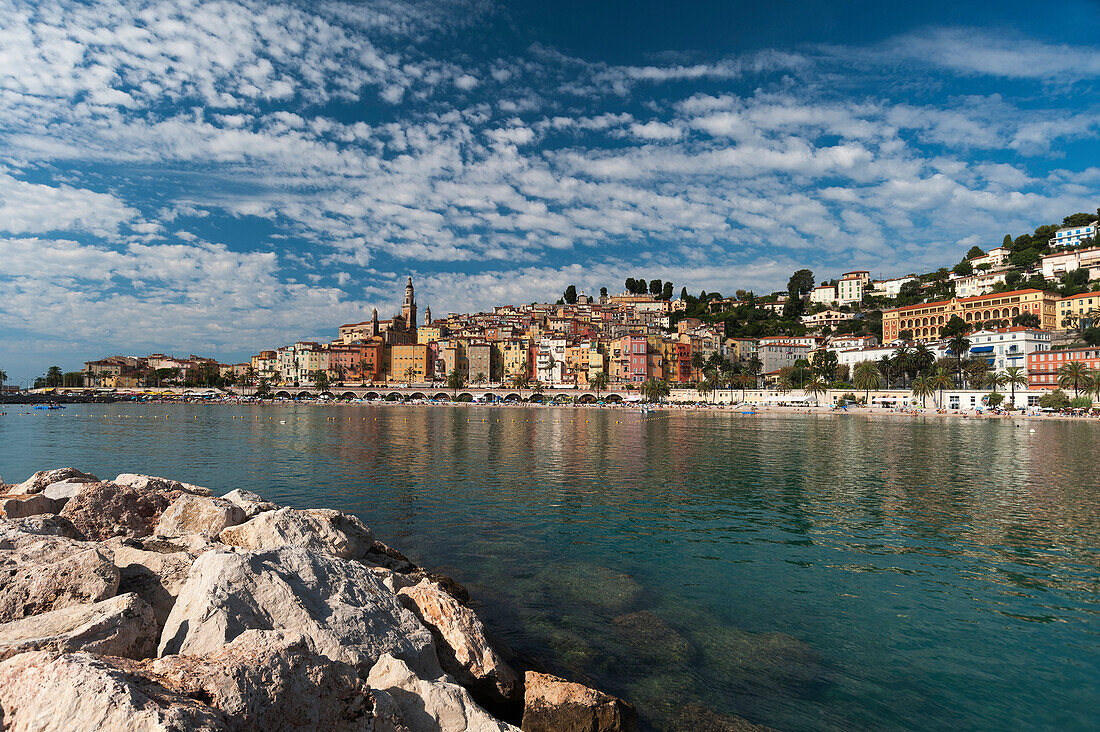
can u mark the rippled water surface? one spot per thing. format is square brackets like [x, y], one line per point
[803, 572]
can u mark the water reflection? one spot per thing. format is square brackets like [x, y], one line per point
[804, 572]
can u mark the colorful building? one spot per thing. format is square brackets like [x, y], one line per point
[925, 320]
[1042, 366]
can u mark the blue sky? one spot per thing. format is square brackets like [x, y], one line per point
[221, 177]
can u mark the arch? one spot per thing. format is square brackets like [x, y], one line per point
[939, 320]
[587, 398]
[996, 313]
[328, 394]
[535, 398]
[348, 395]
[442, 397]
[614, 399]
[1015, 312]
[283, 394]
[489, 397]
[465, 397]
[418, 395]
[969, 316]
[303, 395]
[513, 397]
[371, 395]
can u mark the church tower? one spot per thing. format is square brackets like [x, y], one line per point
[428, 315]
[408, 308]
[374, 322]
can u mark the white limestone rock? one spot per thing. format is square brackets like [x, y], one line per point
[252, 503]
[45, 525]
[340, 606]
[464, 649]
[152, 482]
[191, 514]
[121, 626]
[156, 577]
[49, 575]
[271, 680]
[38, 482]
[26, 504]
[431, 705]
[45, 692]
[339, 534]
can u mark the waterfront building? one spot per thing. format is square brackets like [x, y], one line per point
[1071, 236]
[409, 363]
[1053, 266]
[851, 287]
[631, 354]
[1004, 347]
[479, 362]
[1075, 308]
[263, 365]
[1042, 366]
[775, 354]
[924, 321]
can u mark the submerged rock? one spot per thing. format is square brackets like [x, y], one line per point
[464, 649]
[121, 626]
[45, 692]
[339, 534]
[652, 640]
[191, 514]
[271, 680]
[38, 482]
[431, 705]
[551, 704]
[340, 606]
[37, 581]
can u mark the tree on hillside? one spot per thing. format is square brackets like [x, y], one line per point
[824, 364]
[1091, 336]
[630, 284]
[1027, 320]
[603, 292]
[1007, 242]
[1024, 258]
[977, 251]
[655, 288]
[800, 283]
[954, 326]
[963, 268]
[570, 295]
[1079, 219]
[666, 291]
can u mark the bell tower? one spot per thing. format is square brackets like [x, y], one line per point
[408, 308]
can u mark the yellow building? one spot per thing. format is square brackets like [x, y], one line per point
[429, 333]
[1071, 309]
[408, 363]
[924, 321]
[515, 356]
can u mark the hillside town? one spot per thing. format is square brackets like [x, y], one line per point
[1020, 315]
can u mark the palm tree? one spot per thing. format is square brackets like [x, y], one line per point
[455, 381]
[903, 361]
[1014, 376]
[479, 378]
[519, 381]
[600, 382]
[996, 380]
[923, 386]
[655, 389]
[744, 381]
[885, 368]
[538, 387]
[1075, 374]
[697, 363]
[922, 357]
[867, 377]
[754, 367]
[958, 344]
[941, 378]
[817, 386]
[410, 372]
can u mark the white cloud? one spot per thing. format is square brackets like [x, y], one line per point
[36, 208]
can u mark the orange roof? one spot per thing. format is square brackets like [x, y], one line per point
[1083, 294]
[963, 299]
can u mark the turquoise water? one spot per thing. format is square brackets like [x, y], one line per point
[804, 572]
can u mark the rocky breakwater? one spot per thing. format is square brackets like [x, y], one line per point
[146, 603]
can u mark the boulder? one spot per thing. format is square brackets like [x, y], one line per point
[390, 558]
[63, 490]
[431, 705]
[552, 704]
[45, 692]
[340, 606]
[121, 626]
[38, 482]
[27, 504]
[155, 577]
[251, 503]
[191, 514]
[153, 483]
[464, 650]
[47, 525]
[270, 680]
[324, 530]
[36, 581]
[103, 510]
